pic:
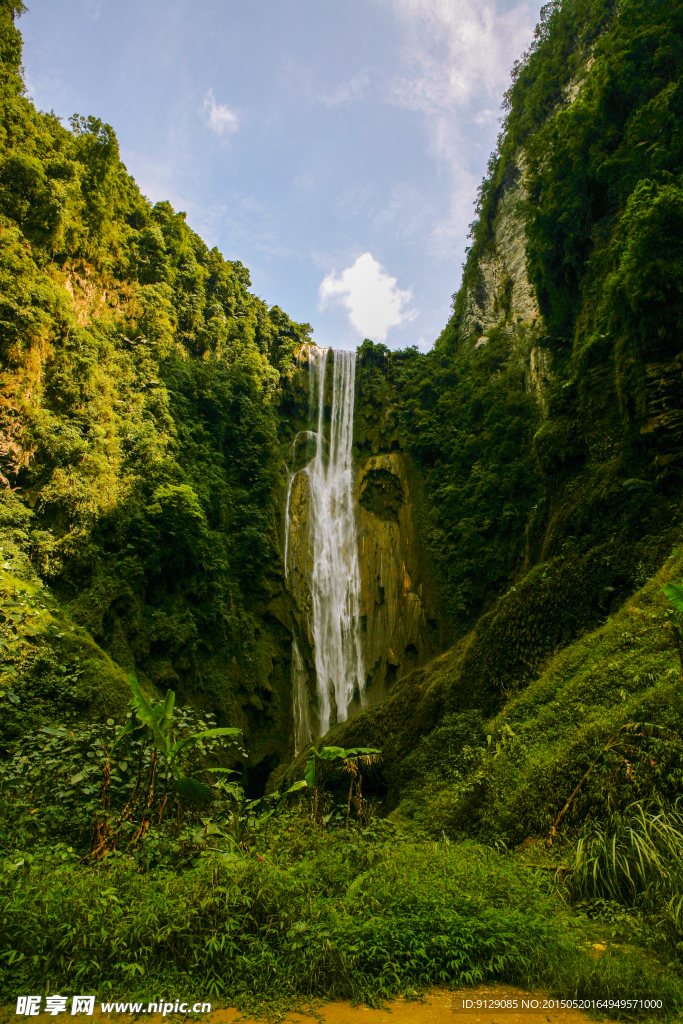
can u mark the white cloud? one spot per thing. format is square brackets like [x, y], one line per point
[222, 120]
[454, 70]
[345, 92]
[372, 300]
[456, 49]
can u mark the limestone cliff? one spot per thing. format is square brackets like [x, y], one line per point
[398, 614]
[497, 292]
[501, 288]
[398, 607]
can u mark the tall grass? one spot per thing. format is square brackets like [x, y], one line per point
[635, 858]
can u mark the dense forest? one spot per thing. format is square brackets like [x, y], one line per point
[510, 810]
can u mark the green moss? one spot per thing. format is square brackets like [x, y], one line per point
[547, 735]
[50, 668]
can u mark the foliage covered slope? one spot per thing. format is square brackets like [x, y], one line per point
[140, 382]
[138, 425]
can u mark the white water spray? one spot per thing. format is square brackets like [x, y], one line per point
[335, 577]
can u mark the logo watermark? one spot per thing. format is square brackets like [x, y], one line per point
[545, 1004]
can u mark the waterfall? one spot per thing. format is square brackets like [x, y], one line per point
[335, 577]
[335, 583]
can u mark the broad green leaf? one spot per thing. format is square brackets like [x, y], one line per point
[146, 713]
[674, 592]
[143, 708]
[130, 726]
[169, 704]
[192, 790]
[329, 753]
[301, 784]
[210, 733]
[309, 775]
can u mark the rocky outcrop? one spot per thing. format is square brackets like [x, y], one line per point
[502, 290]
[500, 295]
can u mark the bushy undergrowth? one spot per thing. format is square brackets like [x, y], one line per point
[342, 914]
[60, 782]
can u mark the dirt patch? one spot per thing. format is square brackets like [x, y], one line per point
[441, 1006]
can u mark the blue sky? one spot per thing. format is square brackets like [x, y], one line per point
[333, 146]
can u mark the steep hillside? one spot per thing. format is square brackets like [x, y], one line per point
[138, 434]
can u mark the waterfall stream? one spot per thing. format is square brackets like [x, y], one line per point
[335, 576]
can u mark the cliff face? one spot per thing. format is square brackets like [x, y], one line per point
[397, 606]
[500, 288]
[398, 613]
[500, 292]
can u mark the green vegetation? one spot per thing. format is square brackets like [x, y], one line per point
[316, 913]
[508, 807]
[590, 472]
[553, 723]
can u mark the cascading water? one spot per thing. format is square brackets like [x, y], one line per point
[335, 575]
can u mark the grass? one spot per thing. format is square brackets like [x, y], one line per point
[624, 671]
[625, 857]
[314, 914]
[309, 912]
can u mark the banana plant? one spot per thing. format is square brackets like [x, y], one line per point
[349, 759]
[674, 614]
[245, 817]
[154, 722]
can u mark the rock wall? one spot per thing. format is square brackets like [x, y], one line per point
[398, 607]
[500, 294]
[502, 290]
